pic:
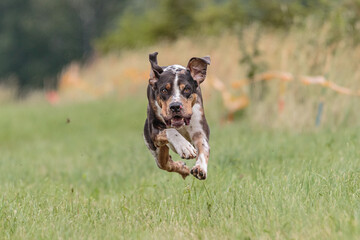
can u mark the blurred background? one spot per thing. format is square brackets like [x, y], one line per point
[281, 98]
[279, 63]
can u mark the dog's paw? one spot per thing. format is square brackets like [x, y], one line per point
[180, 145]
[186, 150]
[198, 172]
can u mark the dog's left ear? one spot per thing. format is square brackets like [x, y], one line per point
[156, 70]
[197, 67]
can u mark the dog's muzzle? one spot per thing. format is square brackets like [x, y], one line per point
[177, 120]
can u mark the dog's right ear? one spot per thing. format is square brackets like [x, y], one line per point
[156, 70]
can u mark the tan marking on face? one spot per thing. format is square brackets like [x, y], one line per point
[158, 100]
[188, 103]
[168, 86]
[182, 86]
[164, 106]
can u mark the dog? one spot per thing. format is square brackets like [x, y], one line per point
[175, 116]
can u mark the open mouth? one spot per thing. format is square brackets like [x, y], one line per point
[177, 121]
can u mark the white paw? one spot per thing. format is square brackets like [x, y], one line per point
[198, 172]
[200, 169]
[180, 145]
[185, 150]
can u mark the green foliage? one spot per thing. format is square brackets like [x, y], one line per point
[93, 178]
[38, 37]
[216, 18]
[170, 19]
[345, 21]
[167, 20]
[33, 46]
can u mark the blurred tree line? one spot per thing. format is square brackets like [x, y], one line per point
[39, 37]
[169, 19]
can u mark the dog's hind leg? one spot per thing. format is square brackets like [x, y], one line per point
[164, 161]
[160, 150]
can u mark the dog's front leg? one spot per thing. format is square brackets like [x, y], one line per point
[201, 143]
[182, 147]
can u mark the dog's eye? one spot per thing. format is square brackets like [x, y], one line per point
[164, 91]
[187, 90]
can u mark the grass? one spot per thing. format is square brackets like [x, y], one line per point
[93, 178]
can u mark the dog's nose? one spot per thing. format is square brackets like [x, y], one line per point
[175, 107]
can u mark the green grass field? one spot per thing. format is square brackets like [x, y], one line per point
[82, 171]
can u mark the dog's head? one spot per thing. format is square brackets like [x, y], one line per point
[175, 88]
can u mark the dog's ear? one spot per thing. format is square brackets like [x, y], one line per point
[156, 70]
[197, 67]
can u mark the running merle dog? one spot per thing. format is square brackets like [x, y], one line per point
[175, 116]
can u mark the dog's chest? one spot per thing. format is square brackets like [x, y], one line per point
[185, 133]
